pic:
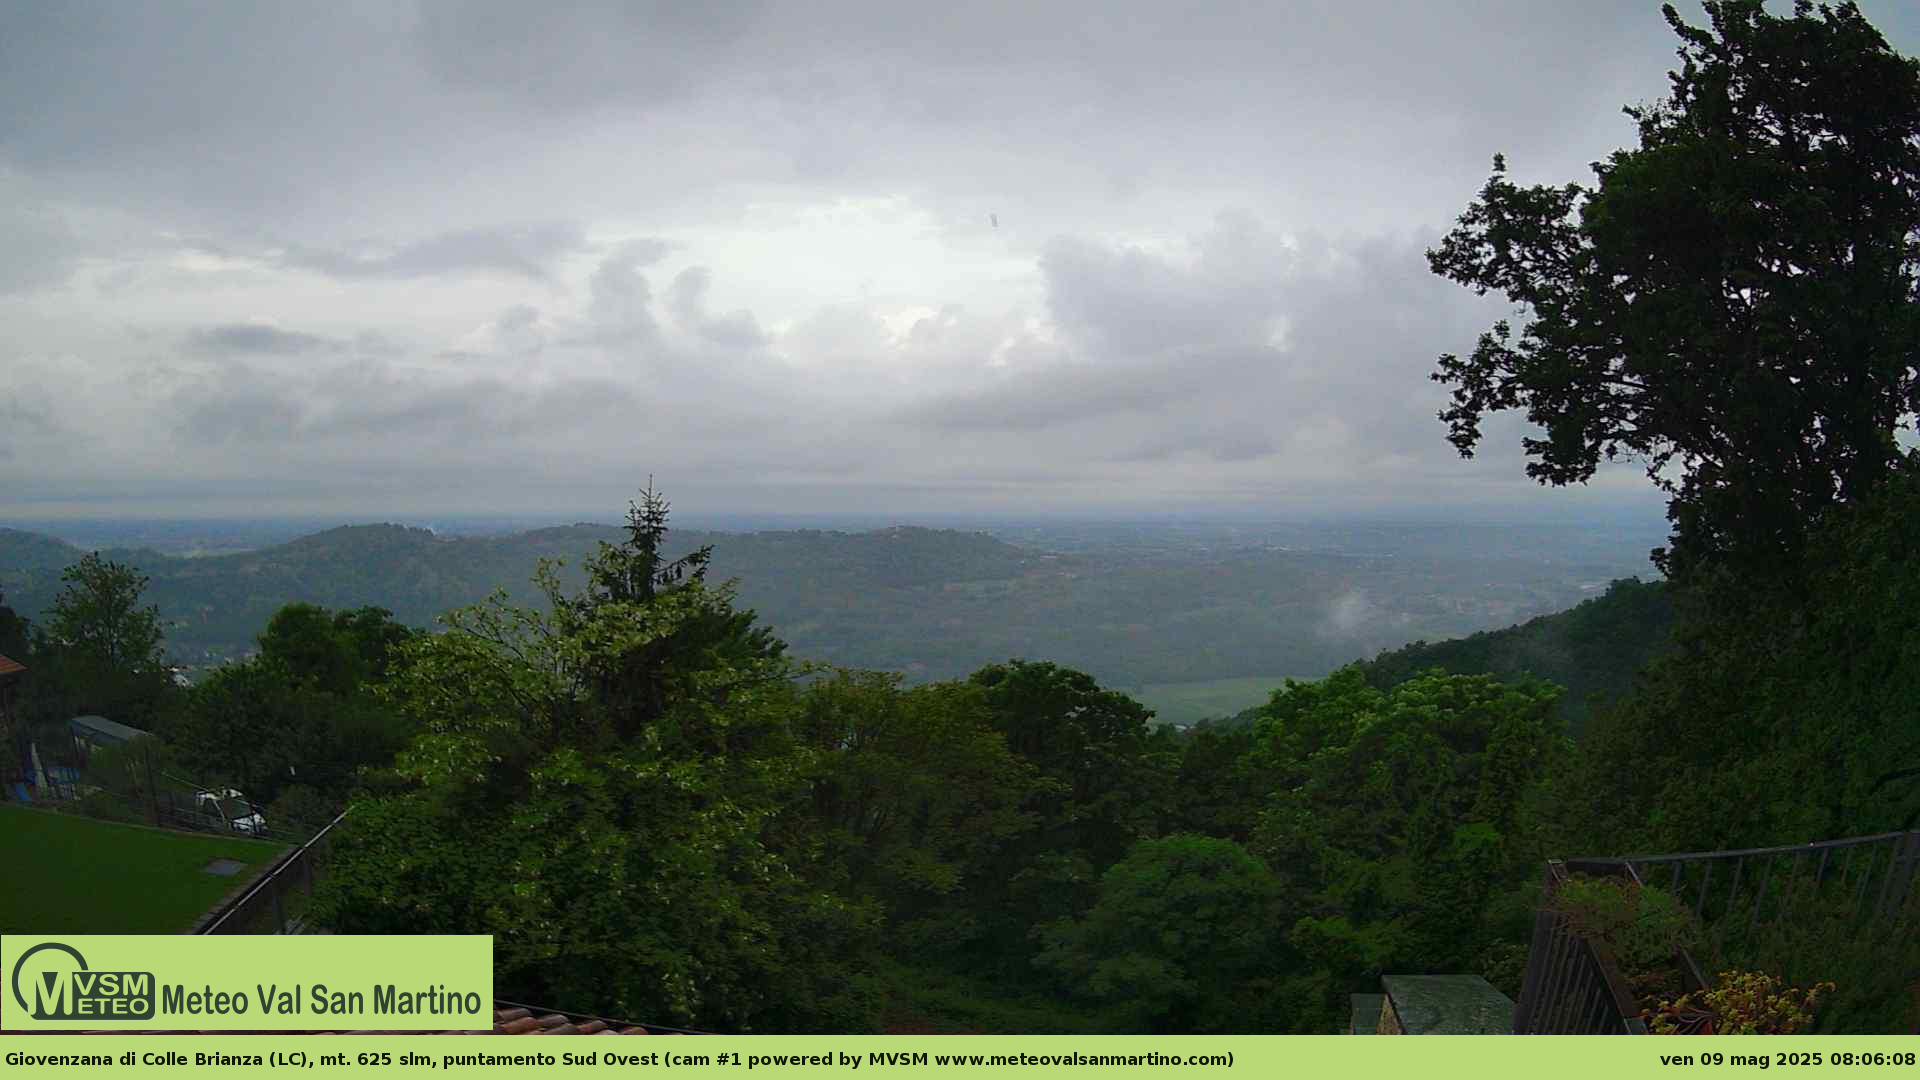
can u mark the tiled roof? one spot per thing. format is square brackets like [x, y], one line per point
[508, 1019]
[11, 667]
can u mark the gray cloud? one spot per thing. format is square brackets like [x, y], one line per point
[38, 248]
[242, 339]
[454, 251]
[1251, 346]
[621, 311]
[738, 329]
[528, 251]
[240, 406]
[581, 55]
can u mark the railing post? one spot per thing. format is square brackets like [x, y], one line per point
[1538, 955]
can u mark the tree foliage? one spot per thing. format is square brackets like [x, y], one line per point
[1399, 817]
[1732, 302]
[598, 788]
[98, 617]
[1185, 937]
[302, 713]
[99, 650]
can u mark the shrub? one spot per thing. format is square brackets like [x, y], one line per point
[1821, 937]
[1644, 928]
[1740, 1003]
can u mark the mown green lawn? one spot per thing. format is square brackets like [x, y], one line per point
[1186, 702]
[74, 875]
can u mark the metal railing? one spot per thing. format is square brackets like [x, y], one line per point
[1735, 894]
[1573, 987]
[276, 902]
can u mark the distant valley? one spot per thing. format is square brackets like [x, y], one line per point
[1189, 619]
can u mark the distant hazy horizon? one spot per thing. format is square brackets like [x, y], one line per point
[1631, 527]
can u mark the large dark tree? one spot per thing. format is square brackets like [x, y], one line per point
[1734, 303]
[637, 681]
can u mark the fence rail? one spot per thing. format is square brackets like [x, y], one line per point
[1865, 882]
[1734, 894]
[276, 902]
[1572, 985]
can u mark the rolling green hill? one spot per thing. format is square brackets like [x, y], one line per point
[1593, 649]
[930, 603]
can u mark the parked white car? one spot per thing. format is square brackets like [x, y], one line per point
[231, 807]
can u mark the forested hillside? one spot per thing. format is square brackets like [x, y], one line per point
[930, 604]
[1592, 651]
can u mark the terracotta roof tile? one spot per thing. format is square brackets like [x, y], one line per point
[11, 667]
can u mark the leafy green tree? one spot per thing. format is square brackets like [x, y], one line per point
[1402, 813]
[100, 650]
[635, 682]
[601, 789]
[1220, 788]
[301, 713]
[1778, 720]
[914, 794]
[249, 725]
[1111, 766]
[98, 617]
[1105, 783]
[1186, 937]
[336, 651]
[1734, 302]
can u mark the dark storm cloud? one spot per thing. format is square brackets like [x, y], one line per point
[240, 339]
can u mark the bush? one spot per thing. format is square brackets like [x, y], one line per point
[299, 812]
[1741, 1003]
[1644, 928]
[107, 806]
[1183, 937]
[1870, 961]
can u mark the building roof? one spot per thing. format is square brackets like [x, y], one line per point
[11, 667]
[102, 730]
[508, 1019]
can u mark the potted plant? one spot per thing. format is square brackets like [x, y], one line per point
[1739, 1003]
[1643, 930]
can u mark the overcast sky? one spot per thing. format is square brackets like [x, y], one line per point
[402, 258]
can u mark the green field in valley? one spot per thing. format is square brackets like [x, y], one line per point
[75, 875]
[1186, 702]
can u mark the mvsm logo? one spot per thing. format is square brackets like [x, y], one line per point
[63, 989]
